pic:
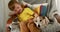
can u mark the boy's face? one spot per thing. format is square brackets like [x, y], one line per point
[18, 8]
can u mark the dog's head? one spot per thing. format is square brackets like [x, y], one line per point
[41, 22]
[14, 25]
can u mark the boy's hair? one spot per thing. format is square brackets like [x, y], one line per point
[11, 5]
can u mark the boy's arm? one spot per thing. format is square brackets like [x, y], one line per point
[13, 13]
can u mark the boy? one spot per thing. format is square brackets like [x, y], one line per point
[22, 13]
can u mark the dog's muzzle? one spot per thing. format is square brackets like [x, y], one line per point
[38, 25]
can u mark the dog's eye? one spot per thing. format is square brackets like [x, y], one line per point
[40, 20]
[36, 21]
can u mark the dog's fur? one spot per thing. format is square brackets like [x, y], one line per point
[45, 24]
[14, 26]
[41, 21]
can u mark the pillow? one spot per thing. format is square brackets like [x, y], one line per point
[40, 9]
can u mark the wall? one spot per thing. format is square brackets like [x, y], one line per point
[3, 14]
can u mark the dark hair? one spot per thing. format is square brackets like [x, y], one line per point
[11, 5]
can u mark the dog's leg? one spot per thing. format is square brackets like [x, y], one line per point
[23, 27]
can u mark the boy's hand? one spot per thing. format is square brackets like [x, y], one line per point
[12, 13]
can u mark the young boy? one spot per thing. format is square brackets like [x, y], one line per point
[23, 14]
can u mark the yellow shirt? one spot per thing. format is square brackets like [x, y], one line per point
[26, 14]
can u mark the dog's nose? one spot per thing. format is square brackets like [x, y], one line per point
[38, 25]
[9, 28]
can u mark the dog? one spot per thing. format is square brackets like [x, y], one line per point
[46, 24]
[41, 22]
[14, 26]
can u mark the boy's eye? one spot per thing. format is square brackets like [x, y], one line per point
[17, 7]
[15, 10]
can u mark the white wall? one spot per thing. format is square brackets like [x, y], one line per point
[6, 13]
[3, 14]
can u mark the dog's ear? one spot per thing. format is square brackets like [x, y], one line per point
[47, 20]
[34, 19]
[43, 17]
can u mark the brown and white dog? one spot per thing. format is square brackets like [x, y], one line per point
[14, 26]
[41, 21]
[45, 24]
